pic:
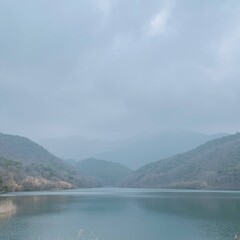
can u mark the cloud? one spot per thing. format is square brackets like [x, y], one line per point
[229, 50]
[97, 68]
[159, 22]
[105, 6]
[225, 55]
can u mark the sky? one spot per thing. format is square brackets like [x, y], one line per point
[118, 68]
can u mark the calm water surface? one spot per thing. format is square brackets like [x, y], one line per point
[122, 214]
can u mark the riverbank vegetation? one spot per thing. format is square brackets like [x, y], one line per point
[3, 187]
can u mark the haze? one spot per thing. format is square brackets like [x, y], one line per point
[116, 68]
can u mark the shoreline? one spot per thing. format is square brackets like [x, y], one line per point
[110, 190]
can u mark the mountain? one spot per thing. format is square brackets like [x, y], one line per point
[213, 165]
[155, 147]
[25, 165]
[105, 172]
[133, 152]
[76, 147]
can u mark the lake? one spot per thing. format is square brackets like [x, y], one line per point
[122, 214]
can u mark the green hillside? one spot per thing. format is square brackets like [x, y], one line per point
[105, 172]
[25, 165]
[213, 165]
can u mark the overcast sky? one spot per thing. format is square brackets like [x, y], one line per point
[115, 68]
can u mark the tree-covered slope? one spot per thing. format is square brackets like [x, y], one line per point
[24, 150]
[25, 165]
[105, 172]
[213, 165]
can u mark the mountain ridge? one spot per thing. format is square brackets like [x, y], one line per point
[25, 165]
[107, 173]
[133, 152]
[213, 165]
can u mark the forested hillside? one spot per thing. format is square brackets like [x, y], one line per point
[25, 165]
[213, 165]
[105, 172]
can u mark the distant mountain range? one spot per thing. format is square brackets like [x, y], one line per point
[213, 165]
[76, 147]
[106, 173]
[25, 165]
[132, 152]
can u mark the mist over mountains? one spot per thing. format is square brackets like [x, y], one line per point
[114, 69]
[215, 164]
[76, 147]
[133, 152]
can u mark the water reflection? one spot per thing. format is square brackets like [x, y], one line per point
[202, 205]
[39, 205]
[7, 208]
[215, 213]
[138, 215]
